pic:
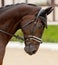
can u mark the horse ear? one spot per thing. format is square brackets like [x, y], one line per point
[48, 10]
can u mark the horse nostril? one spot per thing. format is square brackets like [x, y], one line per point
[33, 51]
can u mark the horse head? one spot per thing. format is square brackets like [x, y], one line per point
[31, 19]
[33, 27]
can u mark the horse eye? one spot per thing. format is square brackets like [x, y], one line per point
[40, 26]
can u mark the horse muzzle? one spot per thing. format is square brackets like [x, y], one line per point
[31, 49]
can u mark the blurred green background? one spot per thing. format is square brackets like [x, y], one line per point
[50, 34]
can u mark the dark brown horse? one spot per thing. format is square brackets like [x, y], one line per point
[28, 17]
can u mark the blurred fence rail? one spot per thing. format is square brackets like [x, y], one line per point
[51, 46]
[44, 3]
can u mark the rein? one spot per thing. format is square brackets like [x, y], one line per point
[18, 37]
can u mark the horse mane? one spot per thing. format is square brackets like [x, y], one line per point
[9, 5]
[15, 5]
[4, 8]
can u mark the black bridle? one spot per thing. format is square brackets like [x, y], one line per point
[30, 36]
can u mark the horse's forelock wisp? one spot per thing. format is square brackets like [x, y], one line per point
[27, 17]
